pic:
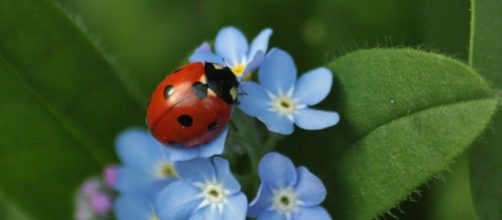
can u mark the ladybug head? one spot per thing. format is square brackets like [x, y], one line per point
[222, 81]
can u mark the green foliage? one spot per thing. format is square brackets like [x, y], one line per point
[62, 105]
[405, 115]
[410, 114]
[486, 44]
[9, 211]
[451, 197]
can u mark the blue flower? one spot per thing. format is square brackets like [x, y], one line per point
[148, 165]
[232, 50]
[135, 206]
[280, 100]
[206, 190]
[287, 193]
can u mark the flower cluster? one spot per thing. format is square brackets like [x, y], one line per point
[157, 182]
[279, 100]
[153, 187]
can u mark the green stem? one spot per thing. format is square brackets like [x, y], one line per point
[270, 143]
[253, 158]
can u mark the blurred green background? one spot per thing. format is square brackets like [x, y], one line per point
[145, 39]
[148, 38]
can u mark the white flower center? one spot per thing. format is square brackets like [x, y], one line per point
[284, 105]
[214, 194]
[165, 170]
[284, 200]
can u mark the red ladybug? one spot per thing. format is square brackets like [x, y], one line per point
[192, 105]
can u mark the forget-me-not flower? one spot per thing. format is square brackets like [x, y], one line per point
[280, 100]
[287, 193]
[206, 190]
[148, 165]
[233, 50]
[135, 206]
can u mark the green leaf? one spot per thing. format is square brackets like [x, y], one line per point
[405, 115]
[62, 105]
[410, 113]
[486, 44]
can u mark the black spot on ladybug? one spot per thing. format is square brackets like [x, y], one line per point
[185, 120]
[213, 126]
[168, 91]
[221, 81]
[200, 90]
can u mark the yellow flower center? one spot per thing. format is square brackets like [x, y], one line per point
[154, 218]
[238, 70]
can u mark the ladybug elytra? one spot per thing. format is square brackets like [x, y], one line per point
[192, 105]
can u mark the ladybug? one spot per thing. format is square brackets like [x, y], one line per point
[193, 104]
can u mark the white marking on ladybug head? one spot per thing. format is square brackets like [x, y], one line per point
[210, 92]
[203, 79]
[217, 66]
[233, 93]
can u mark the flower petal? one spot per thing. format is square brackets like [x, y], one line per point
[313, 86]
[261, 203]
[205, 213]
[130, 180]
[204, 56]
[232, 45]
[134, 207]
[260, 42]
[133, 181]
[309, 188]
[277, 171]
[181, 153]
[136, 148]
[204, 47]
[177, 200]
[216, 146]
[224, 175]
[311, 119]
[198, 170]
[308, 213]
[254, 99]
[277, 72]
[277, 123]
[236, 207]
[272, 215]
[253, 64]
